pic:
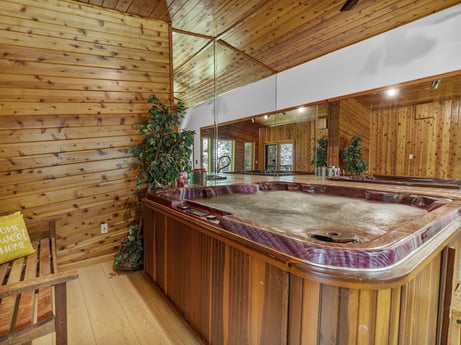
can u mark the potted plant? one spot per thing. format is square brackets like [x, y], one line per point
[352, 156]
[130, 257]
[162, 154]
[164, 150]
[320, 153]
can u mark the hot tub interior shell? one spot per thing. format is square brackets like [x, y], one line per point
[381, 252]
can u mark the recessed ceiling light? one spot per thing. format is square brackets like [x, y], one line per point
[266, 117]
[301, 109]
[392, 92]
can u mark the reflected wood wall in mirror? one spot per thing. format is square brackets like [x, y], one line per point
[298, 127]
[415, 133]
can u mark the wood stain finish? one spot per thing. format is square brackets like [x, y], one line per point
[229, 292]
[74, 84]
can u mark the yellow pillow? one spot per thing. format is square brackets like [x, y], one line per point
[14, 238]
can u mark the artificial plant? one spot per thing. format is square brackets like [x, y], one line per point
[164, 149]
[352, 156]
[321, 152]
[131, 254]
[161, 154]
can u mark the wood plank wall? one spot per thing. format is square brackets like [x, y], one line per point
[303, 136]
[240, 132]
[430, 132]
[347, 118]
[354, 119]
[247, 132]
[73, 83]
[334, 148]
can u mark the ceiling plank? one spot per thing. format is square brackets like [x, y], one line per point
[260, 37]
[225, 44]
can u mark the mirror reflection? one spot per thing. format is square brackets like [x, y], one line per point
[275, 143]
[413, 132]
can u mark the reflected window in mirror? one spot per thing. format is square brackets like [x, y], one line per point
[217, 156]
[270, 158]
[279, 156]
[205, 155]
[225, 154]
[248, 155]
[286, 156]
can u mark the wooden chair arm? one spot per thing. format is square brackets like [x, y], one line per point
[32, 284]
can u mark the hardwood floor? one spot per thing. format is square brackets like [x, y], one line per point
[106, 307]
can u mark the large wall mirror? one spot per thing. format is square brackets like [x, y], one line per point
[273, 143]
[414, 131]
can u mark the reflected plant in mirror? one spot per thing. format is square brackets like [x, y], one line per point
[412, 134]
[352, 156]
[321, 152]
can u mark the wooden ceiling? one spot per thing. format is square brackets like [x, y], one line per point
[241, 42]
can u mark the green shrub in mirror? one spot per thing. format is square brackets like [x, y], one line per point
[352, 156]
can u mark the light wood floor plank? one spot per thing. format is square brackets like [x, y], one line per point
[107, 317]
[111, 308]
[148, 315]
[79, 327]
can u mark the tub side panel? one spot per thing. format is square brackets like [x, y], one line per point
[188, 274]
[255, 300]
[419, 306]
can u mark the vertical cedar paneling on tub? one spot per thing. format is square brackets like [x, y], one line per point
[74, 82]
[225, 295]
[230, 291]
[349, 316]
[417, 140]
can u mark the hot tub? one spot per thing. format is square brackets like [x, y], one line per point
[450, 183]
[322, 225]
[270, 172]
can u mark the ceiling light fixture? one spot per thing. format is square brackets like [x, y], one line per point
[436, 83]
[392, 92]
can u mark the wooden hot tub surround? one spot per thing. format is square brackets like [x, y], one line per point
[231, 289]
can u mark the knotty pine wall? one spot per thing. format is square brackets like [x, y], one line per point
[73, 83]
[431, 132]
[354, 119]
[302, 134]
[347, 118]
[240, 132]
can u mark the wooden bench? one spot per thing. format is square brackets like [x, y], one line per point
[33, 292]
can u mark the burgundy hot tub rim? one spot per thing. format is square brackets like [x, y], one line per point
[375, 254]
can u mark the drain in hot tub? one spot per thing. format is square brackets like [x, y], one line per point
[334, 236]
